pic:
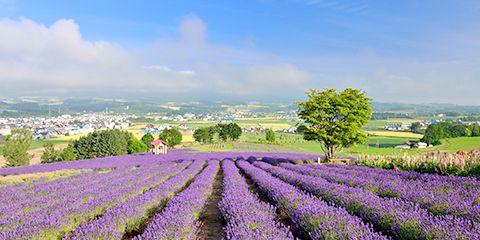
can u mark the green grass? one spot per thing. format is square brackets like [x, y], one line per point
[387, 142]
[213, 147]
[38, 144]
[461, 143]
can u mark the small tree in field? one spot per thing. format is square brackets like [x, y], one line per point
[335, 119]
[16, 146]
[172, 136]
[270, 135]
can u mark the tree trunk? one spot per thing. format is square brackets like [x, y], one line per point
[330, 153]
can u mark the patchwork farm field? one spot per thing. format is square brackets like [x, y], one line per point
[233, 195]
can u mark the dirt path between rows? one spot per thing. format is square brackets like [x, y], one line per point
[212, 221]
[281, 217]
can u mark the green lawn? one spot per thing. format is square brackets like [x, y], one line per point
[213, 147]
[461, 143]
[386, 142]
[39, 144]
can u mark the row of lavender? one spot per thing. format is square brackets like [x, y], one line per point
[146, 159]
[392, 216]
[440, 197]
[55, 208]
[314, 217]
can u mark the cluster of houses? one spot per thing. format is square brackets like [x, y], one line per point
[47, 127]
[403, 126]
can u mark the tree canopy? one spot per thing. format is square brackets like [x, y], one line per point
[172, 136]
[225, 132]
[205, 134]
[147, 139]
[335, 119]
[229, 131]
[16, 147]
[136, 146]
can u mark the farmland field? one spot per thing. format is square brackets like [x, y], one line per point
[233, 195]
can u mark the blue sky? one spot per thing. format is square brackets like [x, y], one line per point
[398, 51]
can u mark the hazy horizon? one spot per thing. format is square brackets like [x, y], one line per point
[273, 51]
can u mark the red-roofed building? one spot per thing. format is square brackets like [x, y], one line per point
[159, 147]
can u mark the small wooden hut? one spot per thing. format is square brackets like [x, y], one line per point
[159, 147]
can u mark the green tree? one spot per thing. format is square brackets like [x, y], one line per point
[270, 135]
[68, 153]
[50, 154]
[136, 146]
[229, 131]
[335, 119]
[204, 135]
[199, 135]
[172, 136]
[415, 127]
[475, 130]
[234, 131]
[16, 146]
[436, 132]
[147, 139]
[222, 132]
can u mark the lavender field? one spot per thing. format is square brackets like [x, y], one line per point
[235, 195]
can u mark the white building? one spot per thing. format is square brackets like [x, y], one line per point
[403, 146]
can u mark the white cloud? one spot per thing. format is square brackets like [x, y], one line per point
[254, 79]
[57, 58]
[34, 56]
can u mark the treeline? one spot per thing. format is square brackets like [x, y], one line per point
[96, 144]
[438, 131]
[117, 142]
[223, 132]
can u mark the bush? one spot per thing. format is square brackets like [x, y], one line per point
[270, 135]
